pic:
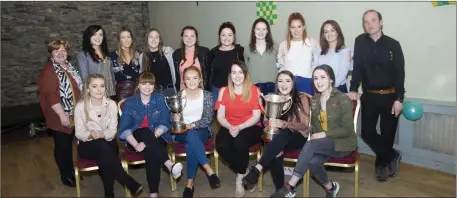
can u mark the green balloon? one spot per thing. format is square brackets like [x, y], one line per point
[412, 110]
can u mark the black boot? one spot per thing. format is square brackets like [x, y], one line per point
[214, 181]
[133, 186]
[251, 179]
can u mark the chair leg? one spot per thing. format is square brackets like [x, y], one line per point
[306, 184]
[216, 162]
[173, 181]
[261, 173]
[126, 168]
[78, 190]
[356, 178]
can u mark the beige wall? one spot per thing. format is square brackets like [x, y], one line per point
[427, 34]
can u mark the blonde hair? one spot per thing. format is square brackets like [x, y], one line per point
[120, 51]
[247, 83]
[194, 68]
[85, 96]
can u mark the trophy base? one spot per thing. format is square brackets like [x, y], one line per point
[178, 128]
[268, 136]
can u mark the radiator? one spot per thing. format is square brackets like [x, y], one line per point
[435, 132]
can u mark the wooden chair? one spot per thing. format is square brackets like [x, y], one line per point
[350, 161]
[85, 165]
[179, 150]
[130, 157]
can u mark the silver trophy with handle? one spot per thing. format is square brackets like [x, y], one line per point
[176, 104]
[274, 108]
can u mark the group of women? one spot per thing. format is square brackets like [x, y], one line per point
[227, 79]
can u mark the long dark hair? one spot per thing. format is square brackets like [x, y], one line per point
[294, 94]
[183, 47]
[268, 37]
[339, 39]
[329, 71]
[87, 46]
[147, 52]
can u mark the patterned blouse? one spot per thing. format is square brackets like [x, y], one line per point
[125, 71]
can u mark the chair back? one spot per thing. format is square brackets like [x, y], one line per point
[356, 109]
[120, 106]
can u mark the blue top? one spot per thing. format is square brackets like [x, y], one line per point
[125, 71]
[338, 62]
[133, 113]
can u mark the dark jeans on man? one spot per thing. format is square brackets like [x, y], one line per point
[235, 150]
[63, 153]
[105, 153]
[155, 155]
[285, 140]
[373, 106]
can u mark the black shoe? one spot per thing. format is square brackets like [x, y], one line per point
[334, 191]
[68, 181]
[109, 194]
[382, 173]
[188, 192]
[394, 165]
[251, 179]
[214, 181]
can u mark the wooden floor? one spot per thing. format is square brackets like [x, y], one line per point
[29, 170]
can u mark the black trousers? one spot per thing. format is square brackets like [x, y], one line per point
[235, 150]
[155, 155]
[285, 140]
[63, 152]
[373, 106]
[105, 153]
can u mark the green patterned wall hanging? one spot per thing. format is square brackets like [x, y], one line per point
[268, 11]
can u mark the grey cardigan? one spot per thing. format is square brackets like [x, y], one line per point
[88, 66]
[207, 114]
[168, 52]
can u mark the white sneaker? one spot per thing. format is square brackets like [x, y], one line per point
[239, 189]
[176, 170]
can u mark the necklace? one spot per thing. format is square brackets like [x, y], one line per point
[154, 58]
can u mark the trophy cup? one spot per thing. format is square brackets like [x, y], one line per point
[176, 104]
[274, 105]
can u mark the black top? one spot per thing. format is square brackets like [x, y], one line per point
[159, 66]
[379, 65]
[220, 63]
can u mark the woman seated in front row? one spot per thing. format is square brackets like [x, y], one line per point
[95, 128]
[291, 135]
[198, 117]
[332, 134]
[144, 124]
[238, 113]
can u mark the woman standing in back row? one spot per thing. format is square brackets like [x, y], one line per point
[190, 54]
[261, 56]
[94, 58]
[298, 53]
[333, 52]
[220, 59]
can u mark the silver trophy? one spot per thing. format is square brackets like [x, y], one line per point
[274, 108]
[176, 105]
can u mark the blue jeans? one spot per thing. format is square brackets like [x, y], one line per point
[304, 85]
[343, 88]
[215, 92]
[194, 141]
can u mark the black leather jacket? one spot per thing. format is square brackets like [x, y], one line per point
[202, 59]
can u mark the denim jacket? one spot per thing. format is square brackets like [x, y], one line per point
[133, 113]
